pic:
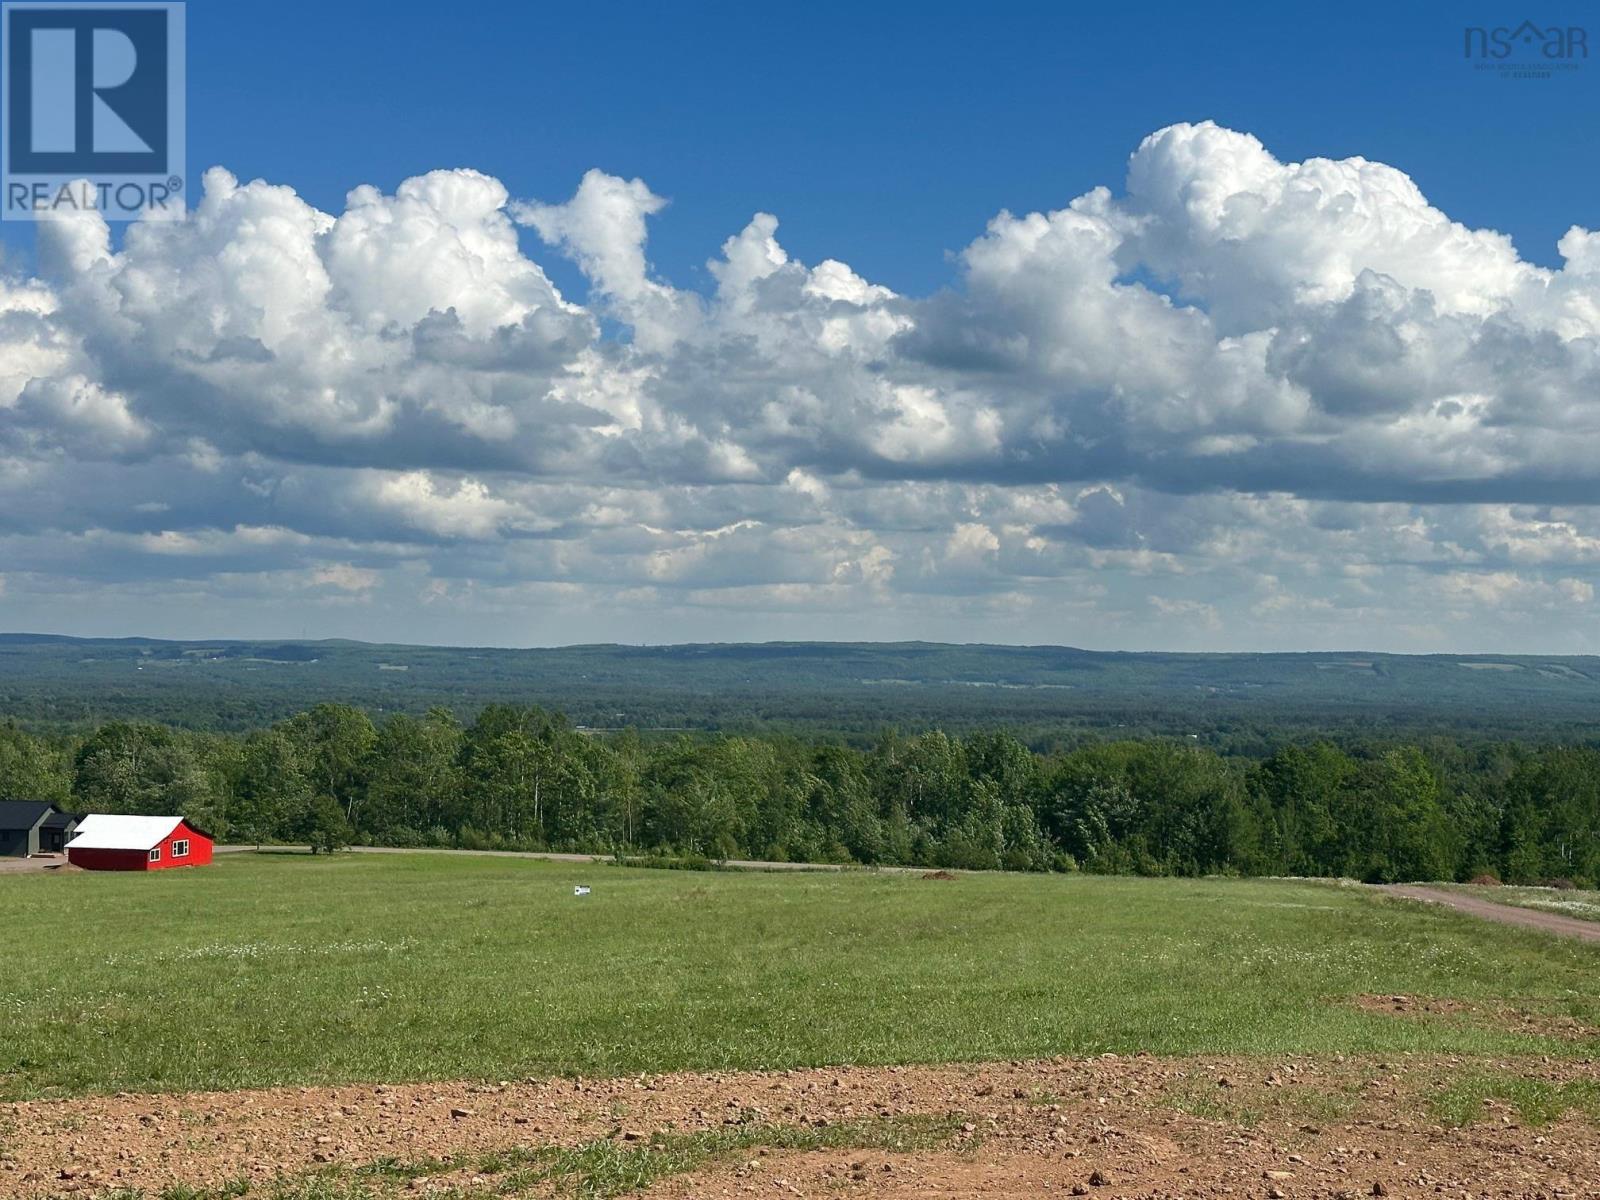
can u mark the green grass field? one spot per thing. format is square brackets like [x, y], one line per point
[276, 969]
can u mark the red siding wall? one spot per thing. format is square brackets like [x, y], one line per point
[109, 860]
[199, 849]
[139, 860]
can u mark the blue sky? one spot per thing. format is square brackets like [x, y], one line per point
[882, 134]
[1151, 326]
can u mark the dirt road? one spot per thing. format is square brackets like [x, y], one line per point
[1477, 906]
[1279, 1128]
[34, 865]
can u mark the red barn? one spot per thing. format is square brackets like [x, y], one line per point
[106, 843]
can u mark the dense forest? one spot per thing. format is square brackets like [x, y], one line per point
[1052, 697]
[522, 777]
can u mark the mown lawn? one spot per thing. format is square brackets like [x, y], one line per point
[271, 969]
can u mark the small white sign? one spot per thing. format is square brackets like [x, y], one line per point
[580, 890]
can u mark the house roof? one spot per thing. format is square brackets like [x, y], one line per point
[23, 814]
[61, 820]
[101, 832]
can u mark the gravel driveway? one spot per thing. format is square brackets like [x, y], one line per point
[1528, 918]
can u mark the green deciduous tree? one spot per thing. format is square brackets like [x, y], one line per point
[148, 769]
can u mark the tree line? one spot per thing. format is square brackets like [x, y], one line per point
[519, 777]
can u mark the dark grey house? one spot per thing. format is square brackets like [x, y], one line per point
[20, 822]
[57, 831]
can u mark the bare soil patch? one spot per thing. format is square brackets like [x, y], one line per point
[1126, 1127]
[1412, 1005]
[37, 864]
[1497, 1015]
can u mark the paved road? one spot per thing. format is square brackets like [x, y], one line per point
[1478, 906]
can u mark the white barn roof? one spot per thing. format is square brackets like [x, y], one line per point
[101, 832]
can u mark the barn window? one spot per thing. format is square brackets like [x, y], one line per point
[155, 855]
[180, 849]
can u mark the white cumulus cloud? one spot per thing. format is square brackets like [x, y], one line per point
[1315, 400]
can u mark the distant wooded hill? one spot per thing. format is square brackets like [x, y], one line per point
[1047, 693]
